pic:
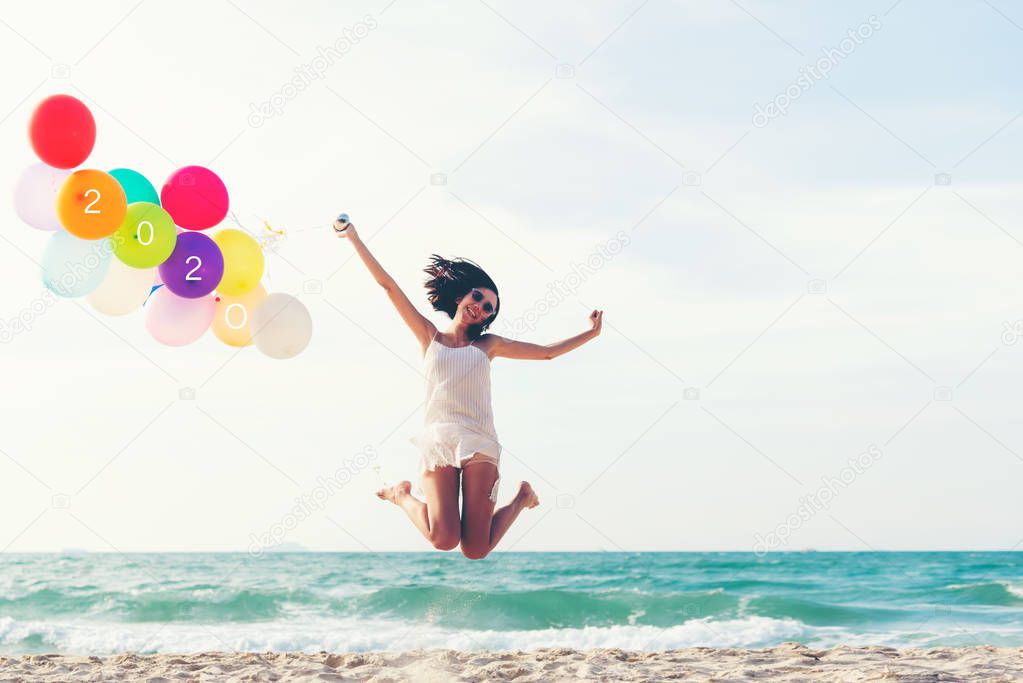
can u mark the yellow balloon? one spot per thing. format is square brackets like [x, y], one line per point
[232, 319]
[243, 262]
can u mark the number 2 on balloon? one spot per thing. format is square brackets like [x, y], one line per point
[191, 273]
[88, 207]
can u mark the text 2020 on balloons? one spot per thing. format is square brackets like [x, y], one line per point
[123, 246]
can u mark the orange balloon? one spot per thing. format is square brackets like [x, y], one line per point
[91, 204]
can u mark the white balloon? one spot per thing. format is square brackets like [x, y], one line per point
[123, 290]
[281, 326]
[35, 195]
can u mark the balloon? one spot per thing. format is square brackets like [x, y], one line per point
[35, 195]
[281, 326]
[73, 267]
[146, 237]
[195, 266]
[62, 131]
[243, 262]
[135, 185]
[91, 204]
[175, 321]
[122, 291]
[232, 321]
[195, 197]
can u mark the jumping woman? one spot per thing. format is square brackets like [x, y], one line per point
[458, 440]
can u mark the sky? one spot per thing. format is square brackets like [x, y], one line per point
[801, 221]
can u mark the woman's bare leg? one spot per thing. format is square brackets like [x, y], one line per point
[482, 528]
[437, 518]
[502, 520]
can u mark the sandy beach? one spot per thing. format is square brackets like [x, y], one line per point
[788, 662]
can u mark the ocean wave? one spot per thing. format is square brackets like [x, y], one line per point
[364, 635]
[359, 635]
[539, 609]
[991, 593]
[471, 608]
[206, 603]
[458, 607]
[820, 613]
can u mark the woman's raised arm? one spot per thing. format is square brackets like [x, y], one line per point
[420, 325]
[509, 348]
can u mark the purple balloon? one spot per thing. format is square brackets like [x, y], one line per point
[195, 266]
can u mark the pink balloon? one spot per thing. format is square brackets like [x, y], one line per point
[195, 197]
[35, 196]
[176, 321]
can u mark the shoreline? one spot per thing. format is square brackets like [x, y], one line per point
[786, 662]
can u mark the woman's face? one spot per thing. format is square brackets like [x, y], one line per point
[473, 312]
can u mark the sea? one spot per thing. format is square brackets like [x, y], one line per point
[96, 604]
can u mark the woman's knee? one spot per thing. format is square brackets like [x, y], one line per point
[444, 539]
[474, 551]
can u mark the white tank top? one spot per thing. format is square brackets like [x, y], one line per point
[458, 387]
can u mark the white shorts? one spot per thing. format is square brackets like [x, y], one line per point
[453, 445]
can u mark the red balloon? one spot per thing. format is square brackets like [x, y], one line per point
[195, 197]
[62, 131]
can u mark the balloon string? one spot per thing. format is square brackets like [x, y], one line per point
[276, 231]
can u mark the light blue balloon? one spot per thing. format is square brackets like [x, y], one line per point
[136, 187]
[73, 267]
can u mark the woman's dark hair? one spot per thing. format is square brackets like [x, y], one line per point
[450, 280]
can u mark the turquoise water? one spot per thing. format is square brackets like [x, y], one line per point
[103, 603]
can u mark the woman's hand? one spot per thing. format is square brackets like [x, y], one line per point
[596, 319]
[345, 230]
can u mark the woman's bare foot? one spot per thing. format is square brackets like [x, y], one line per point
[393, 493]
[526, 497]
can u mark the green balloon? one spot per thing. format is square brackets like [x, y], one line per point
[146, 237]
[135, 186]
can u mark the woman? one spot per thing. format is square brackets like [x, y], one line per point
[458, 440]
